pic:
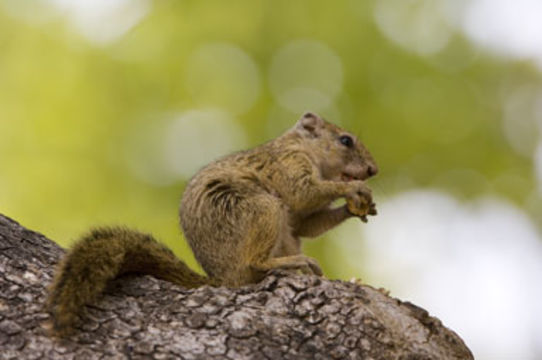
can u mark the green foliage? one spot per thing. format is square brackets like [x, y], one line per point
[75, 116]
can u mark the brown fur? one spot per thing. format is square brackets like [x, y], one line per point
[243, 215]
[102, 255]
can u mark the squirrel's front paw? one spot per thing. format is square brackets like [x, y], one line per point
[360, 203]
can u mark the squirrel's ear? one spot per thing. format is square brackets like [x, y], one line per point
[310, 123]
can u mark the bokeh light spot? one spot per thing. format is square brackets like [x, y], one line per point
[172, 148]
[417, 25]
[538, 166]
[197, 137]
[223, 75]
[305, 74]
[521, 109]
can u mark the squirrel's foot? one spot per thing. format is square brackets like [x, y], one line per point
[310, 266]
[294, 263]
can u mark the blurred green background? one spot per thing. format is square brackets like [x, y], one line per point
[108, 108]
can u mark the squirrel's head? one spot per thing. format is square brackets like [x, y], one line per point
[340, 155]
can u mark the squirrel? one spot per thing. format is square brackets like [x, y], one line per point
[243, 215]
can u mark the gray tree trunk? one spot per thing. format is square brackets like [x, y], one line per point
[283, 317]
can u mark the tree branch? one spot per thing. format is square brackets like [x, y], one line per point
[283, 317]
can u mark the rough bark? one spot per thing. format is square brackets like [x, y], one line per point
[283, 317]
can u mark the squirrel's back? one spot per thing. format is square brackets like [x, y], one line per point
[218, 203]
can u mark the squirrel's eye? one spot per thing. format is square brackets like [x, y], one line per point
[346, 141]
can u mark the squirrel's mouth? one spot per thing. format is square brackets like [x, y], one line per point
[348, 177]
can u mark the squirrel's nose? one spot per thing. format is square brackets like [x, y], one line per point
[372, 170]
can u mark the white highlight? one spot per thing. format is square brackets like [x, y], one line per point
[476, 266]
[507, 27]
[104, 21]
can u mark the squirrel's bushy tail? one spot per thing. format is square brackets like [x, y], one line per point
[102, 255]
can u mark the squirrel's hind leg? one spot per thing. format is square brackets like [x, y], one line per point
[269, 243]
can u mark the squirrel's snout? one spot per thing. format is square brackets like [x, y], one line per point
[367, 171]
[372, 170]
[361, 171]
